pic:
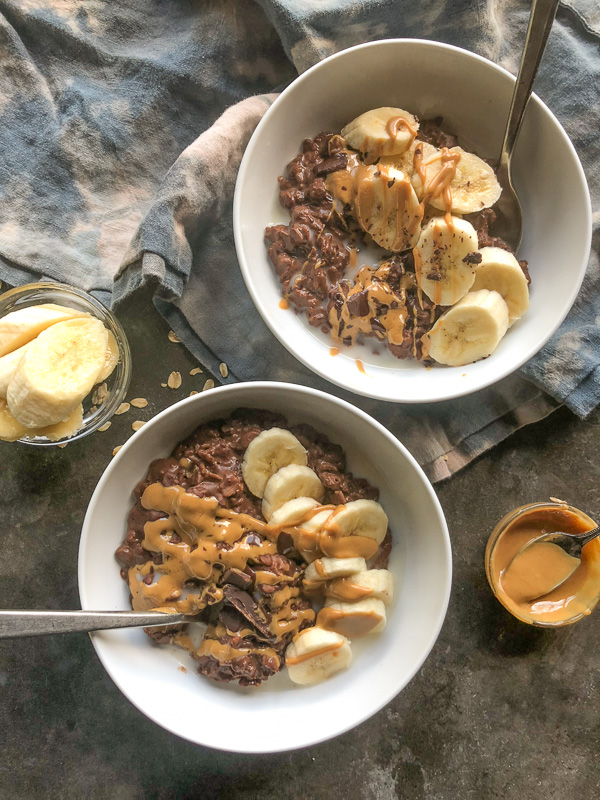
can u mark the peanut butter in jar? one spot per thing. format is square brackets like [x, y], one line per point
[522, 583]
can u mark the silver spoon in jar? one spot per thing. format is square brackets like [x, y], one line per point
[570, 543]
[509, 223]
[14, 624]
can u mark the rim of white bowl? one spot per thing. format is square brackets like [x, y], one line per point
[100, 646]
[254, 289]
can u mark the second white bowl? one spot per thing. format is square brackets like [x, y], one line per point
[473, 95]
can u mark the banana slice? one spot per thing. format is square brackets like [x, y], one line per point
[111, 358]
[353, 619]
[315, 524]
[445, 259]
[316, 655]
[8, 367]
[473, 186]
[289, 483]
[499, 271]
[468, 331]
[20, 327]
[361, 518]
[386, 207]
[381, 132]
[324, 569]
[57, 372]
[292, 512]
[271, 450]
[379, 581]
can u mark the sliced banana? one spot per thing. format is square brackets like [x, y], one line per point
[287, 484]
[360, 518]
[379, 581]
[20, 327]
[8, 367]
[57, 372]
[271, 450]
[353, 619]
[11, 429]
[292, 512]
[381, 131]
[316, 655]
[468, 331]
[499, 271]
[324, 569]
[444, 258]
[315, 523]
[473, 183]
[111, 358]
[386, 207]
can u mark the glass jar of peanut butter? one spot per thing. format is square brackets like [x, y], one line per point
[523, 589]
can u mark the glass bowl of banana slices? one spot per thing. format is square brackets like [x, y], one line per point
[365, 224]
[65, 364]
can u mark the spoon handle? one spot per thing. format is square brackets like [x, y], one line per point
[38, 623]
[540, 25]
[584, 538]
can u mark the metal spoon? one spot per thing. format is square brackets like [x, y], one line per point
[571, 543]
[39, 623]
[509, 224]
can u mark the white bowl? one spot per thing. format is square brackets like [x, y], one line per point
[473, 96]
[276, 716]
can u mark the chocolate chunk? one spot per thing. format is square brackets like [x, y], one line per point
[472, 258]
[358, 304]
[332, 164]
[236, 577]
[248, 608]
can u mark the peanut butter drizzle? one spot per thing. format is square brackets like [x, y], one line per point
[299, 659]
[439, 185]
[334, 351]
[213, 539]
[395, 123]
[391, 196]
[351, 625]
[373, 282]
[343, 589]
[361, 366]
[284, 304]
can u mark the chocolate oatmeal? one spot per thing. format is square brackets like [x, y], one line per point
[197, 542]
[344, 192]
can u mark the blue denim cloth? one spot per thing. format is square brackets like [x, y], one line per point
[121, 129]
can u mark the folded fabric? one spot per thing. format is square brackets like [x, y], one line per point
[96, 103]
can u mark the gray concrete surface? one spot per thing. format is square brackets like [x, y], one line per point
[499, 710]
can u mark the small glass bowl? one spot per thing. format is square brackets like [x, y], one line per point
[500, 528]
[94, 414]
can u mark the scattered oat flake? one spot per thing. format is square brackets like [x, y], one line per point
[164, 385]
[122, 409]
[117, 448]
[137, 424]
[62, 445]
[104, 427]
[224, 370]
[139, 402]
[559, 501]
[193, 393]
[208, 385]
[195, 371]
[174, 338]
[100, 394]
[174, 380]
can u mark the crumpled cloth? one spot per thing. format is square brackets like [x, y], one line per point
[122, 126]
